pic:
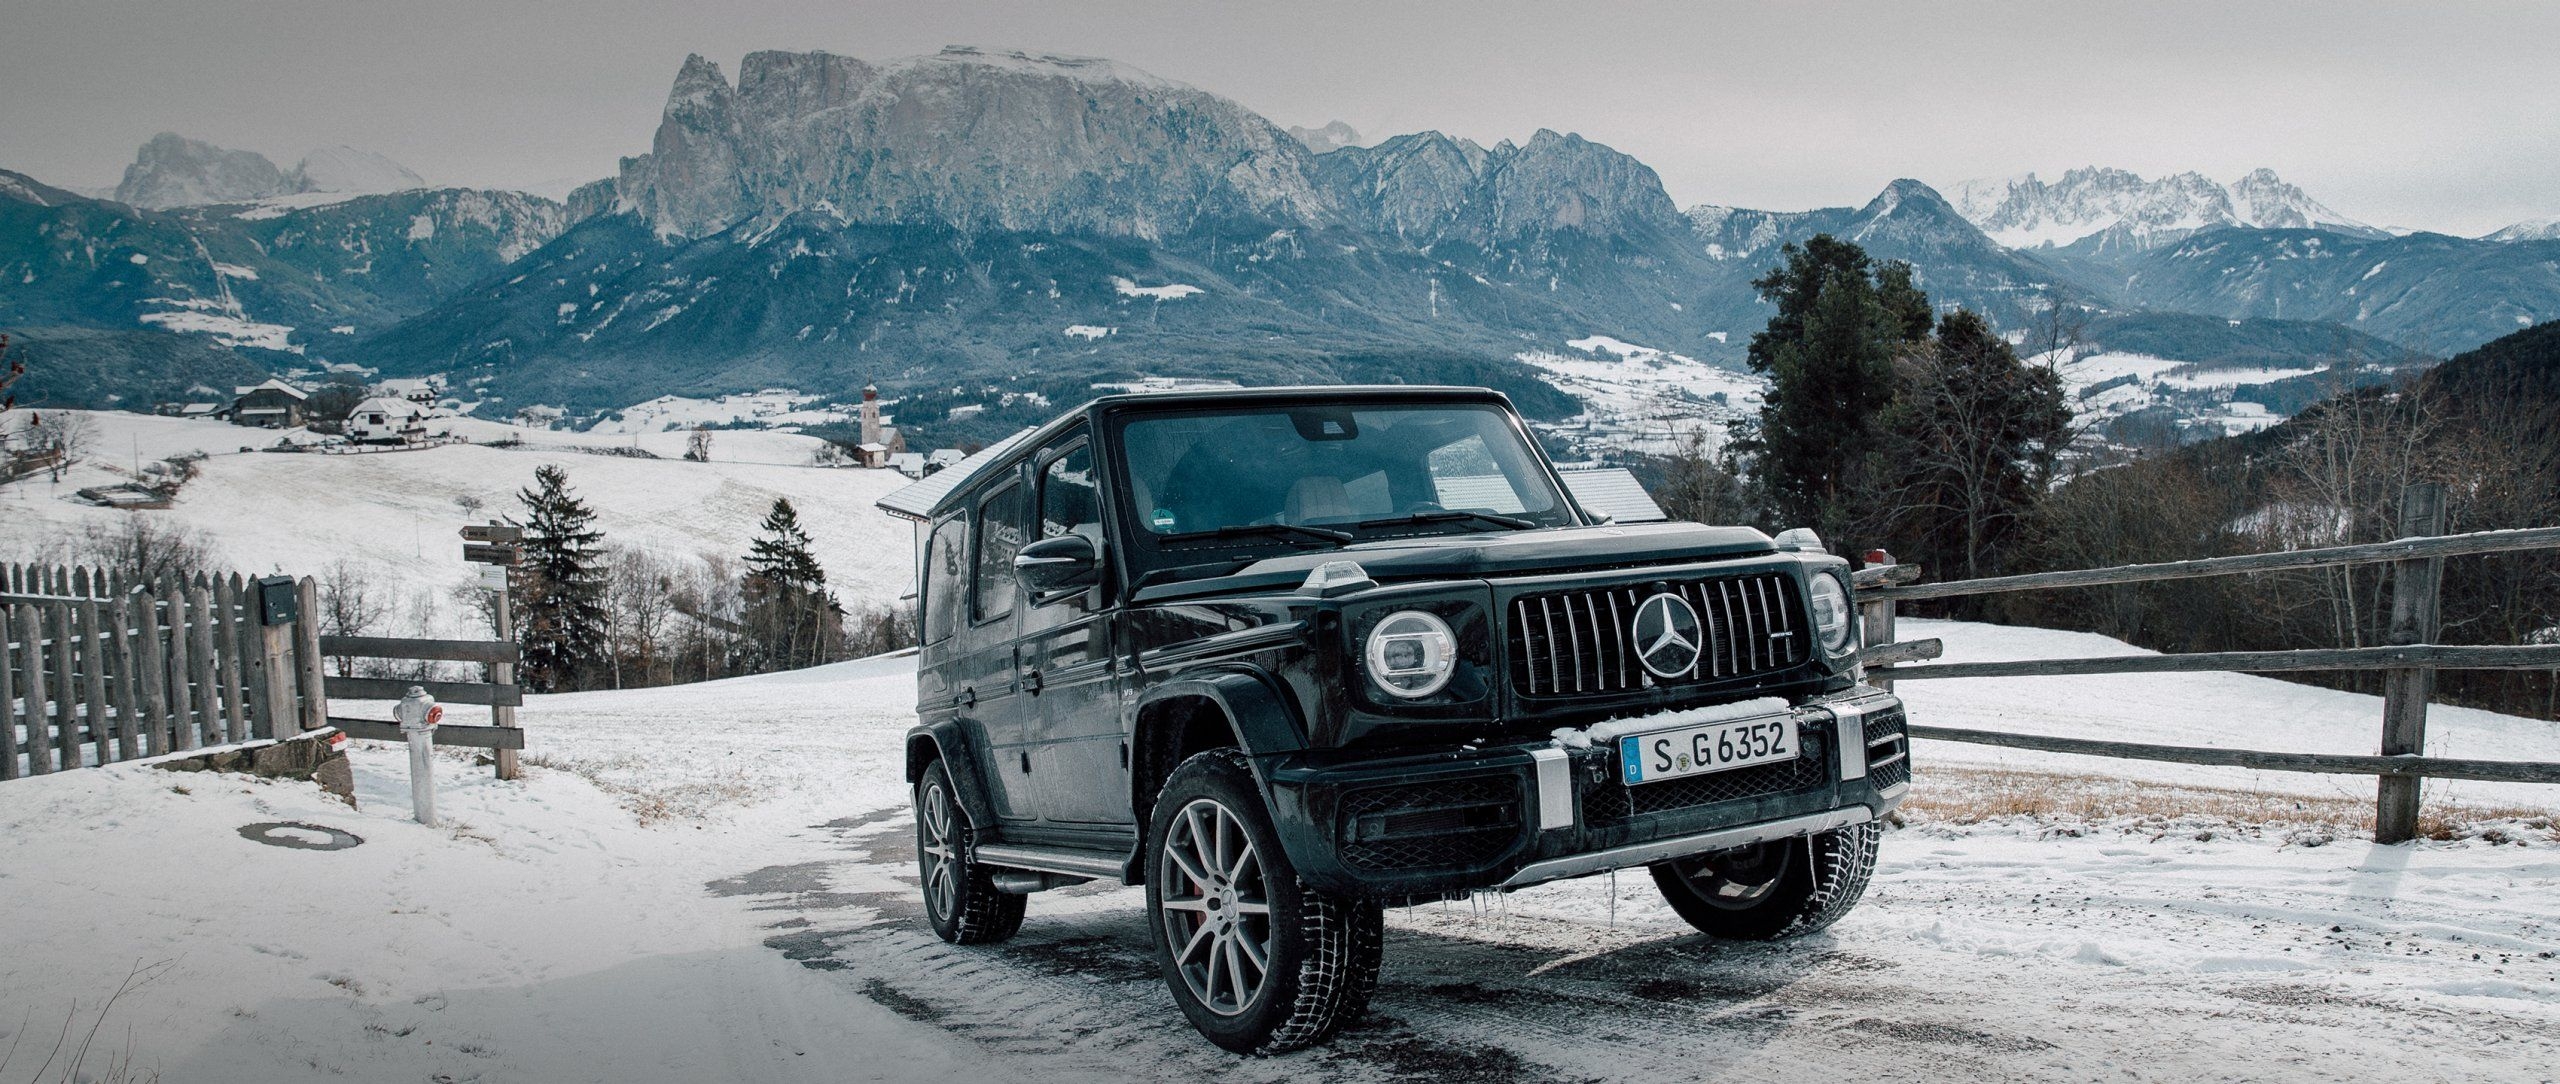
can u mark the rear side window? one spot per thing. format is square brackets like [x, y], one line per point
[1068, 503]
[945, 579]
[1000, 519]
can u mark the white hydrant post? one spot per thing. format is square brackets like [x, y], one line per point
[417, 715]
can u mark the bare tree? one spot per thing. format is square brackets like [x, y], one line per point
[697, 445]
[142, 549]
[349, 606]
[67, 434]
[640, 590]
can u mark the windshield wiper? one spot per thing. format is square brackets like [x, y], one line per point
[1249, 530]
[1451, 516]
[1175, 573]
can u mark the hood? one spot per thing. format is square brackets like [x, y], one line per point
[1488, 554]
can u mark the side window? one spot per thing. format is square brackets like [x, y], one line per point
[1068, 502]
[945, 579]
[999, 535]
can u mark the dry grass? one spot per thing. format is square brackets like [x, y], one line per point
[628, 779]
[1976, 795]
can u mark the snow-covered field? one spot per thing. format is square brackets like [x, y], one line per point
[394, 516]
[713, 882]
[1640, 399]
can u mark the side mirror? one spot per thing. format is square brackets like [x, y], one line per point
[1055, 568]
[1800, 540]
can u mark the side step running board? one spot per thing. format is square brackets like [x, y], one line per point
[1073, 863]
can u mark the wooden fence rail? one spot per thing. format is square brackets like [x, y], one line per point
[2408, 663]
[96, 669]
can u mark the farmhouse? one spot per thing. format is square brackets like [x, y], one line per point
[270, 405]
[387, 420]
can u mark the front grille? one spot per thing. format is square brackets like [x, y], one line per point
[1613, 801]
[1450, 824]
[1572, 643]
[1888, 749]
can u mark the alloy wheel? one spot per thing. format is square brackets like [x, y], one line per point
[941, 874]
[1216, 908]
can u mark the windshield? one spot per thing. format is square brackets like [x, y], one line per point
[1209, 483]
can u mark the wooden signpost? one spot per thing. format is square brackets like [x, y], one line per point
[500, 545]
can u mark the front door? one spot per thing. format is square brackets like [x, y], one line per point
[1081, 765]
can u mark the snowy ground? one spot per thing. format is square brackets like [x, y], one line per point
[713, 882]
[1639, 399]
[394, 516]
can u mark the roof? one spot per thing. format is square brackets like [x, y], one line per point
[387, 405]
[918, 501]
[271, 384]
[1612, 492]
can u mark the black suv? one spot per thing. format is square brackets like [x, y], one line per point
[1286, 656]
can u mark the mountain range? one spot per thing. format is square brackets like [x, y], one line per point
[978, 219]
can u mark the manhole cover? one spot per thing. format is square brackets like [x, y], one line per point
[299, 836]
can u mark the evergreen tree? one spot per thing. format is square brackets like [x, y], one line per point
[1972, 441]
[1829, 355]
[792, 619]
[560, 586]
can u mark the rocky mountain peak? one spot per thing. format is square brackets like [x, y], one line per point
[2121, 208]
[173, 171]
[971, 138]
[2536, 229]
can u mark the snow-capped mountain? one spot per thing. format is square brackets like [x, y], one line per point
[173, 171]
[1332, 137]
[2122, 209]
[346, 169]
[2537, 229]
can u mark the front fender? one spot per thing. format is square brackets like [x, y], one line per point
[947, 742]
[1265, 723]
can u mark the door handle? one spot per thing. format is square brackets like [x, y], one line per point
[966, 697]
[1031, 682]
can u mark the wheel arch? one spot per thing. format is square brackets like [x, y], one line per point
[1206, 710]
[947, 742]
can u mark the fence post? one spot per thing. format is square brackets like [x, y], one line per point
[66, 687]
[8, 687]
[39, 735]
[128, 692]
[2415, 613]
[1876, 620]
[151, 657]
[306, 649]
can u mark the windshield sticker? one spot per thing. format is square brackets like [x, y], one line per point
[1163, 519]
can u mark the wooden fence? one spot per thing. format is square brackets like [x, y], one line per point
[95, 669]
[2408, 662]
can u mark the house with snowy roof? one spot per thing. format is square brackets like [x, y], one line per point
[273, 404]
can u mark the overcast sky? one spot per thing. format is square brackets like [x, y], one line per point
[2438, 116]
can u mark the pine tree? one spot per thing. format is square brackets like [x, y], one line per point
[1829, 355]
[560, 584]
[792, 619]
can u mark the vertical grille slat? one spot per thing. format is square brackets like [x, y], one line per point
[1746, 625]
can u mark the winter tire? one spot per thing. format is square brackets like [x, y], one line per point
[960, 899]
[1771, 891]
[1261, 963]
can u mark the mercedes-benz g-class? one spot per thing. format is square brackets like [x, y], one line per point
[1287, 656]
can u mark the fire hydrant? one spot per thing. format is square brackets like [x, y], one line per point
[418, 714]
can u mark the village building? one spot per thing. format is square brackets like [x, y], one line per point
[384, 419]
[879, 442]
[270, 405]
[420, 391]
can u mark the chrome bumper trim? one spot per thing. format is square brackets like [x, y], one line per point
[1647, 853]
[1555, 788]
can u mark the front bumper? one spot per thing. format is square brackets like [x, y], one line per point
[1512, 816]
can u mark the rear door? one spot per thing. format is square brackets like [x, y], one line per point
[1081, 765]
[990, 690]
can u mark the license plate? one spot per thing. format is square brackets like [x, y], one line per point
[1713, 747]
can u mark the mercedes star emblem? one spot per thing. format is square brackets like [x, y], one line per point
[1666, 631]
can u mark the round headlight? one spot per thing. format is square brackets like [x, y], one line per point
[1412, 654]
[1831, 612]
